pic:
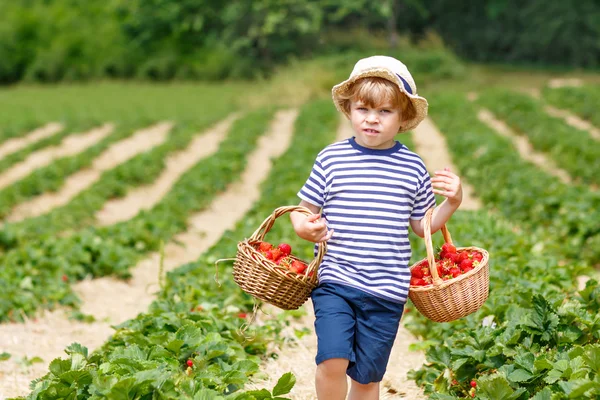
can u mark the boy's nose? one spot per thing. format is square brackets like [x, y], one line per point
[371, 117]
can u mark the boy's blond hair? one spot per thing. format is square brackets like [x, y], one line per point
[374, 92]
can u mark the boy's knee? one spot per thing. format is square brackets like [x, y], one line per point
[333, 367]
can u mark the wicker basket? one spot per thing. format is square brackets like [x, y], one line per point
[445, 301]
[268, 281]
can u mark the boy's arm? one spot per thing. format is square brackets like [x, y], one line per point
[447, 184]
[310, 227]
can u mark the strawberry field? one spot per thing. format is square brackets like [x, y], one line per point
[193, 334]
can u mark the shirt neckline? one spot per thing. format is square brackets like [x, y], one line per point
[377, 152]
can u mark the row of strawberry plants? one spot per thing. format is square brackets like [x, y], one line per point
[571, 149]
[189, 344]
[583, 101]
[536, 337]
[37, 273]
[530, 276]
[52, 177]
[114, 183]
[516, 188]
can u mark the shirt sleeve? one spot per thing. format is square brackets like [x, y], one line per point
[313, 190]
[424, 200]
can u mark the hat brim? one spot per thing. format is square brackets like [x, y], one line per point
[420, 103]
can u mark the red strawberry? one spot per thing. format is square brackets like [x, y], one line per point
[298, 267]
[190, 363]
[455, 272]
[276, 253]
[269, 255]
[448, 248]
[242, 315]
[466, 264]
[264, 246]
[477, 256]
[65, 278]
[417, 282]
[465, 270]
[463, 255]
[285, 248]
[417, 272]
[473, 383]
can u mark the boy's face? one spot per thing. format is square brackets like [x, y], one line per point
[375, 127]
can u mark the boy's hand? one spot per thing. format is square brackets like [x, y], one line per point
[447, 184]
[311, 227]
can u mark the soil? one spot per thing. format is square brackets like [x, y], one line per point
[15, 144]
[71, 145]
[116, 154]
[524, 147]
[47, 335]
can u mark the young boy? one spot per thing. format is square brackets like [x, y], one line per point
[364, 193]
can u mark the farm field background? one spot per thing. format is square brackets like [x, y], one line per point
[118, 199]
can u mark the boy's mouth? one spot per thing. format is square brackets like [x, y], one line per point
[371, 131]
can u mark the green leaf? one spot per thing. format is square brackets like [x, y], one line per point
[284, 384]
[4, 356]
[497, 387]
[262, 394]
[59, 367]
[592, 358]
[545, 394]
[519, 375]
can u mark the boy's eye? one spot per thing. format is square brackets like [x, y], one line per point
[385, 111]
[361, 108]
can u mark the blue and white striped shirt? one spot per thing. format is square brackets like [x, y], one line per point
[368, 196]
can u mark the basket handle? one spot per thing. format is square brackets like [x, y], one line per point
[267, 224]
[429, 246]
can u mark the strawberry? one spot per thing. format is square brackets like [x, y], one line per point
[455, 271]
[448, 248]
[417, 282]
[190, 363]
[264, 246]
[284, 261]
[417, 272]
[467, 269]
[269, 255]
[466, 264]
[298, 267]
[463, 255]
[477, 257]
[276, 253]
[242, 315]
[473, 383]
[65, 278]
[285, 248]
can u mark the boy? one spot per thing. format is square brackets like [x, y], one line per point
[364, 193]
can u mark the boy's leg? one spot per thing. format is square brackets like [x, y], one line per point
[330, 379]
[334, 324]
[358, 391]
[377, 322]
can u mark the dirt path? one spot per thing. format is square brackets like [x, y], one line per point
[523, 146]
[565, 82]
[116, 154]
[431, 146]
[574, 121]
[103, 298]
[15, 144]
[298, 355]
[145, 197]
[71, 145]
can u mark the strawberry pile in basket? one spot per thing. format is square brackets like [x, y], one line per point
[282, 256]
[451, 263]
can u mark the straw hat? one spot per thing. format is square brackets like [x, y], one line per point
[393, 70]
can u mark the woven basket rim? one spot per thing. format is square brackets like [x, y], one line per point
[483, 263]
[245, 246]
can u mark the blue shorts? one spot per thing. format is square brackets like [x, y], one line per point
[357, 326]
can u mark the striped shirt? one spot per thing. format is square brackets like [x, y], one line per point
[368, 196]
